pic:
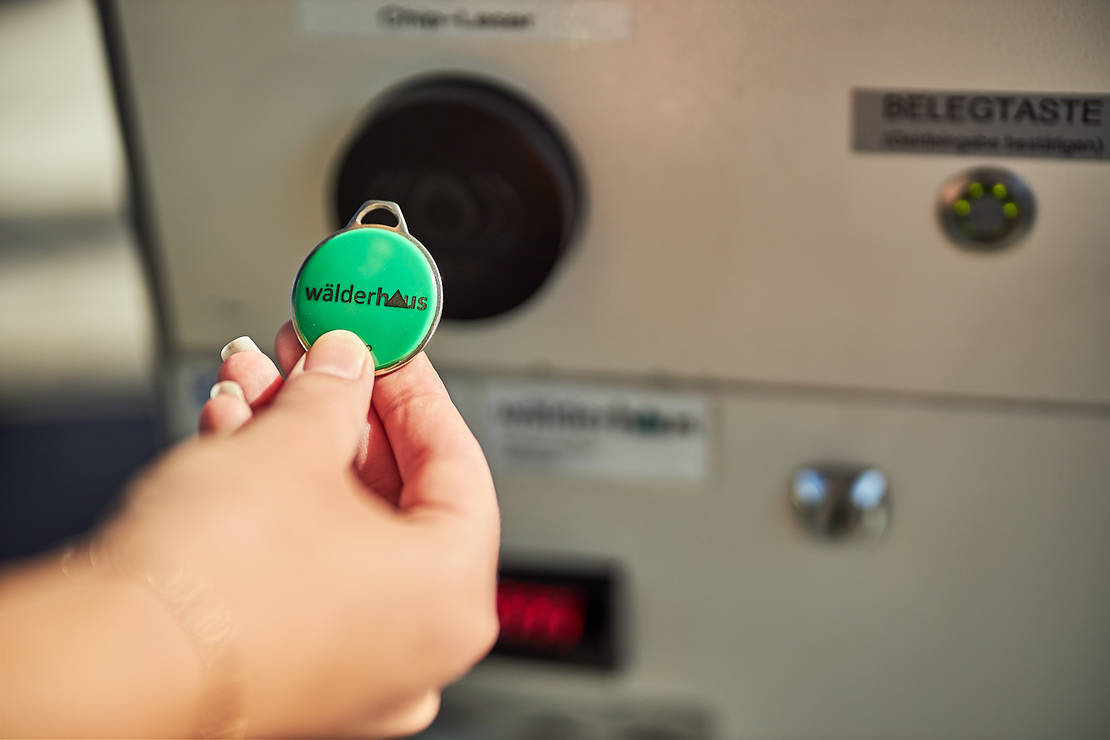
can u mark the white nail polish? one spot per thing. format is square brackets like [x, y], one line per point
[227, 388]
[240, 344]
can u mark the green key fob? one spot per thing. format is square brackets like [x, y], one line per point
[376, 281]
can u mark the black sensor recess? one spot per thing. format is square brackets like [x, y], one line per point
[485, 183]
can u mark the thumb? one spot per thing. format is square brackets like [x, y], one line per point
[320, 413]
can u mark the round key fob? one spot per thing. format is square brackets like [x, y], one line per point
[376, 281]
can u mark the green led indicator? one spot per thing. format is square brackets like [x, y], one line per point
[985, 209]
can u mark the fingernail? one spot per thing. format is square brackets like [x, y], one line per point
[340, 353]
[241, 344]
[227, 388]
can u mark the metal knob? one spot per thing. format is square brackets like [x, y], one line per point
[839, 502]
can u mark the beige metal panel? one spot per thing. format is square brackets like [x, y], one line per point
[982, 612]
[731, 232]
[732, 235]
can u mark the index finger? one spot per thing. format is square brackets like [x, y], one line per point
[441, 464]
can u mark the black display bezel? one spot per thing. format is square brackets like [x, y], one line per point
[600, 646]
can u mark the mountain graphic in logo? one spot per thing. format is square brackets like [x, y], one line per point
[397, 300]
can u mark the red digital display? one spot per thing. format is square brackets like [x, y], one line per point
[558, 614]
[541, 615]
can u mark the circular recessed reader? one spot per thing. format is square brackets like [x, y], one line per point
[486, 178]
[985, 208]
[374, 280]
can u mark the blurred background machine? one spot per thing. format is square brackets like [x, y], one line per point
[78, 411]
[783, 325]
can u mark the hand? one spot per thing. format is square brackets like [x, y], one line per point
[354, 544]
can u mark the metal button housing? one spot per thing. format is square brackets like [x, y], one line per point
[985, 209]
[839, 501]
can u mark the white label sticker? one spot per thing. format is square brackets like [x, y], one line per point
[597, 431]
[593, 20]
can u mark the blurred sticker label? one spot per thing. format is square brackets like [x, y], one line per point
[1001, 124]
[595, 431]
[599, 20]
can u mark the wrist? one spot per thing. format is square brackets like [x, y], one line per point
[197, 612]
